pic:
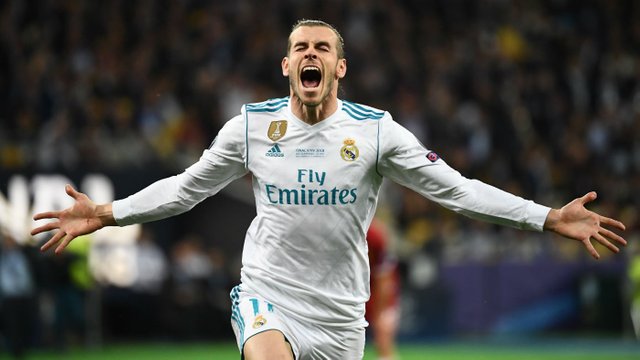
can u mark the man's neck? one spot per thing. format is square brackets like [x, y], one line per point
[313, 114]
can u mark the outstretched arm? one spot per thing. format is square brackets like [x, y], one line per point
[575, 222]
[82, 218]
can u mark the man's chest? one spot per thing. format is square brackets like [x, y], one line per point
[333, 155]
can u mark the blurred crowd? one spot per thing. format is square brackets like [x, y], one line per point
[541, 98]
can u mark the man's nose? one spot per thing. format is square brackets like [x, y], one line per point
[310, 56]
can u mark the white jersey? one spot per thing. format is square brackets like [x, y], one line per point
[316, 189]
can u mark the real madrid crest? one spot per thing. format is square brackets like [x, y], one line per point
[277, 129]
[349, 152]
[259, 321]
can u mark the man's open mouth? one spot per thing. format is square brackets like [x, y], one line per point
[311, 76]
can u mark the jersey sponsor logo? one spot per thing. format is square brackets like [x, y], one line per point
[259, 322]
[310, 196]
[275, 151]
[310, 191]
[432, 156]
[349, 152]
[277, 129]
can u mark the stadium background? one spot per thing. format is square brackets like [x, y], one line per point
[541, 98]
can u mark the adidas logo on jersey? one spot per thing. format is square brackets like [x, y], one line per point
[275, 151]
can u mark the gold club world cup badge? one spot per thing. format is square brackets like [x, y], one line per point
[349, 152]
[277, 129]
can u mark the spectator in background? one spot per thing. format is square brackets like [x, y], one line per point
[191, 268]
[383, 307]
[146, 300]
[151, 265]
[67, 281]
[56, 145]
[17, 291]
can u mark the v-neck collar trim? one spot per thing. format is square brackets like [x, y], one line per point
[320, 125]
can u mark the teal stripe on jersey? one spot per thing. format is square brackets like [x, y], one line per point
[363, 110]
[360, 113]
[235, 311]
[256, 306]
[378, 149]
[235, 302]
[266, 109]
[269, 307]
[246, 140]
[352, 114]
[271, 102]
[269, 105]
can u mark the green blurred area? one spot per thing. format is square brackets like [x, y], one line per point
[543, 350]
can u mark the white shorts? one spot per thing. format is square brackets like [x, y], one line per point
[251, 315]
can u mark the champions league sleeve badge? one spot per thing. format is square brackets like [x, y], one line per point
[349, 152]
[432, 156]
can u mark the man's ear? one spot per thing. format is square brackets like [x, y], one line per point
[285, 66]
[341, 68]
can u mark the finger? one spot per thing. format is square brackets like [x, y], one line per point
[72, 192]
[612, 222]
[67, 239]
[613, 236]
[46, 215]
[602, 240]
[587, 243]
[47, 227]
[54, 240]
[588, 197]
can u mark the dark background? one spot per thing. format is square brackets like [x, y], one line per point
[540, 98]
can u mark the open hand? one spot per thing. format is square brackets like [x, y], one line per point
[575, 222]
[80, 219]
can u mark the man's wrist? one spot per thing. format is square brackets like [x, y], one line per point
[105, 214]
[552, 220]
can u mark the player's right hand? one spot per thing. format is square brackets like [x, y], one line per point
[80, 219]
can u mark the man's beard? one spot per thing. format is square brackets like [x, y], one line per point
[294, 84]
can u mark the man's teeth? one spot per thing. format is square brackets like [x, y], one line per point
[310, 76]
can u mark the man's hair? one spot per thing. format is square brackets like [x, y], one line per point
[308, 22]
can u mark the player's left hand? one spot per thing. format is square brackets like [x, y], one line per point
[576, 222]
